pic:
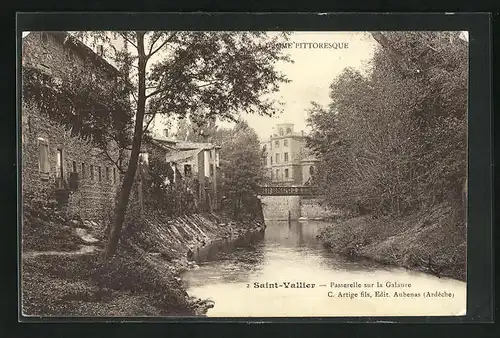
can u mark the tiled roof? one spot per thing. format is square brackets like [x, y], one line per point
[184, 145]
[193, 145]
[78, 45]
[164, 143]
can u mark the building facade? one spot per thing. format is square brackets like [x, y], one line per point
[190, 161]
[282, 156]
[57, 163]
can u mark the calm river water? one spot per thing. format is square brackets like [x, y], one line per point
[234, 276]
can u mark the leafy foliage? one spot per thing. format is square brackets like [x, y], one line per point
[395, 141]
[242, 171]
[197, 74]
[92, 107]
[171, 199]
[216, 74]
[87, 102]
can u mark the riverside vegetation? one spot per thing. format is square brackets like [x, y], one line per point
[169, 74]
[63, 271]
[393, 145]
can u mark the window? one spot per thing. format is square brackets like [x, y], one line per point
[210, 152]
[83, 170]
[59, 168]
[271, 158]
[286, 157]
[74, 167]
[277, 144]
[265, 160]
[281, 131]
[211, 169]
[272, 175]
[285, 143]
[277, 158]
[99, 173]
[311, 170]
[91, 172]
[187, 170]
[286, 173]
[107, 174]
[43, 161]
[288, 130]
[114, 175]
[277, 174]
[143, 158]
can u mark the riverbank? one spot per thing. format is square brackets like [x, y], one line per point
[431, 241]
[62, 273]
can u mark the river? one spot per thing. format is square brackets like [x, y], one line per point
[290, 254]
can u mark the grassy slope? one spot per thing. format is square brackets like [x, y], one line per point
[75, 285]
[433, 241]
[141, 280]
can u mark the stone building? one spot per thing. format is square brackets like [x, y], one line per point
[282, 156]
[197, 161]
[57, 162]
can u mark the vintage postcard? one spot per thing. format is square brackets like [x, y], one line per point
[244, 173]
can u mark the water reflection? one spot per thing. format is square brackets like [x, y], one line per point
[227, 261]
[224, 249]
[290, 252]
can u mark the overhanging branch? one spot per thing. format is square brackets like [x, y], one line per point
[124, 36]
[167, 40]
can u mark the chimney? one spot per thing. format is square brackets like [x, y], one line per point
[165, 133]
[100, 50]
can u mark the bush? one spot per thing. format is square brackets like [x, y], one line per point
[394, 141]
[131, 273]
[433, 240]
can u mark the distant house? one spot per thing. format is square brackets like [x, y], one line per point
[57, 162]
[286, 158]
[189, 161]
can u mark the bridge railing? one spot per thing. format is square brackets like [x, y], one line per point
[288, 191]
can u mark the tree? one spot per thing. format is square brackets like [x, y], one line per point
[394, 140]
[242, 169]
[198, 74]
[198, 131]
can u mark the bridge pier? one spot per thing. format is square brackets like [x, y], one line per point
[280, 208]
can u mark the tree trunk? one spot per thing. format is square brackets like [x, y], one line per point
[121, 207]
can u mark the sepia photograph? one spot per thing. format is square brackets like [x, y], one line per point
[243, 173]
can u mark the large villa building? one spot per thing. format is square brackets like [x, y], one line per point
[286, 158]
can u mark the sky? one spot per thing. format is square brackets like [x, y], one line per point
[311, 74]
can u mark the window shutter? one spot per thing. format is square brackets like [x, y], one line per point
[43, 148]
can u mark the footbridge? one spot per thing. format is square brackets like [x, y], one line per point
[292, 203]
[288, 191]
